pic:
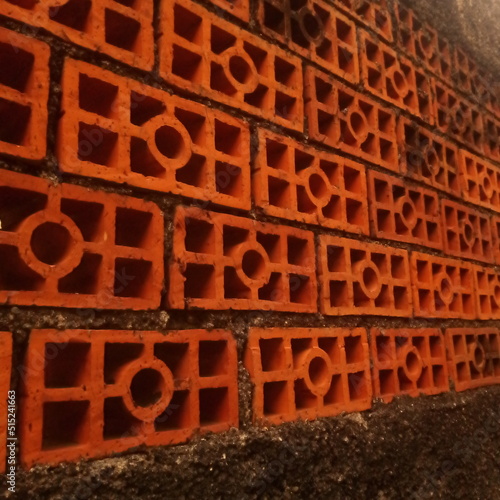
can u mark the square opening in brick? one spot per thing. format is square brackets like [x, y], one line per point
[121, 31]
[143, 108]
[213, 358]
[73, 14]
[65, 424]
[88, 216]
[177, 415]
[358, 386]
[97, 96]
[133, 228]
[299, 347]
[285, 106]
[304, 398]
[214, 406]
[187, 25]
[186, 64]
[17, 67]
[385, 348]
[16, 205]
[118, 422]
[97, 145]
[200, 281]
[300, 289]
[133, 278]
[227, 138]
[336, 257]
[298, 252]
[274, 18]
[354, 349]
[279, 192]
[339, 293]
[331, 346]
[234, 288]
[15, 122]
[272, 354]
[335, 394]
[439, 377]
[176, 356]
[66, 364]
[276, 398]
[142, 160]
[117, 355]
[273, 290]
[228, 179]
[85, 278]
[194, 172]
[284, 72]
[387, 380]
[277, 155]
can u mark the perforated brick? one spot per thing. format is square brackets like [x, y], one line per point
[122, 29]
[474, 357]
[467, 232]
[67, 246]
[24, 91]
[124, 389]
[480, 181]
[302, 373]
[427, 157]
[300, 183]
[360, 278]
[403, 212]
[238, 8]
[487, 285]
[315, 30]
[374, 14]
[442, 288]
[423, 43]
[211, 57]
[495, 232]
[408, 362]
[5, 372]
[345, 119]
[394, 78]
[224, 262]
[459, 118]
[120, 130]
[491, 139]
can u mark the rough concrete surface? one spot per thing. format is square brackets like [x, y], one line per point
[431, 447]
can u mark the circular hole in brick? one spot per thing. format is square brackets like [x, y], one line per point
[147, 387]
[487, 186]
[169, 142]
[253, 264]
[459, 120]
[311, 25]
[468, 232]
[408, 212]
[240, 69]
[400, 84]
[358, 124]
[479, 357]
[370, 279]
[413, 363]
[433, 160]
[50, 243]
[319, 371]
[446, 289]
[318, 187]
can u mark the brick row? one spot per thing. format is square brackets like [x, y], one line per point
[67, 246]
[5, 373]
[121, 130]
[120, 29]
[124, 389]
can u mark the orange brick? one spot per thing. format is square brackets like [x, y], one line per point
[24, 92]
[473, 357]
[238, 8]
[491, 143]
[487, 285]
[375, 15]
[495, 232]
[119, 28]
[67, 246]
[345, 119]
[395, 79]
[428, 158]
[404, 213]
[214, 58]
[316, 31]
[5, 372]
[303, 184]
[423, 43]
[442, 288]
[467, 232]
[124, 131]
[459, 118]
[480, 181]
[224, 262]
[124, 389]
[303, 373]
[360, 278]
[408, 362]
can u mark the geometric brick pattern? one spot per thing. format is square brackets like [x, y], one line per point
[442, 288]
[404, 213]
[224, 262]
[5, 372]
[24, 91]
[363, 278]
[408, 362]
[99, 392]
[299, 183]
[211, 57]
[302, 373]
[120, 29]
[487, 284]
[474, 357]
[148, 138]
[66, 246]
[316, 31]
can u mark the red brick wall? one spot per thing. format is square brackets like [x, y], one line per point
[308, 190]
